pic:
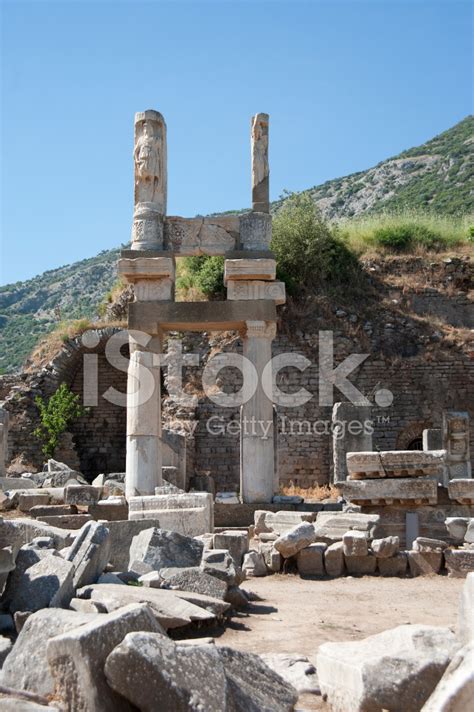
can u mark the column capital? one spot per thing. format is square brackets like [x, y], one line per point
[260, 329]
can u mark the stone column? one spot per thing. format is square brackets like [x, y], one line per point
[150, 162]
[260, 168]
[351, 432]
[144, 463]
[456, 444]
[4, 418]
[257, 465]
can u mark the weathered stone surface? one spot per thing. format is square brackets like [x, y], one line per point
[455, 691]
[189, 514]
[361, 565]
[355, 543]
[260, 525]
[296, 669]
[121, 537]
[272, 557]
[77, 657]
[260, 167]
[167, 607]
[83, 605]
[194, 580]
[386, 547]
[465, 627]
[153, 673]
[82, 494]
[263, 269]
[216, 606]
[111, 509]
[26, 557]
[13, 483]
[457, 527]
[421, 490]
[295, 539]
[242, 289]
[310, 561]
[331, 526]
[462, 491]
[26, 667]
[52, 510]
[394, 565]
[89, 553]
[17, 532]
[396, 670]
[459, 562]
[5, 649]
[158, 548]
[254, 564]
[395, 463]
[67, 521]
[49, 582]
[236, 597]
[201, 236]
[334, 559]
[26, 501]
[424, 563]
[282, 522]
[469, 535]
[236, 542]
[219, 563]
[424, 544]
[15, 703]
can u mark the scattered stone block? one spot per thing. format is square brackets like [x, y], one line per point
[260, 268]
[112, 509]
[421, 490]
[386, 547]
[465, 627]
[13, 483]
[395, 463]
[83, 605]
[26, 668]
[260, 522]
[158, 549]
[457, 527]
[194, 580]
[26, 557]
[296, 669]
[310, 561]
[67, 521]
[49, 582]
[334, 559]
[17, 532]
[188, 514]
[459, 562]
[77, 657]
[254, 565]
[424, 563]
[6, 646]
[469, 535]
[26, 501]
[89, 553]
[368, 674]
[219, 563]
[216, 606]
[355, 543]
[281, 522]
[426, 544]
[121, 536]
[455, 691]
[331, 526]
[393, 566]
[462, 491]
[236, 542]
[272, 557]
[52, 510]
[295, 539]
[82, 494]
[236, 597]
[361, 565]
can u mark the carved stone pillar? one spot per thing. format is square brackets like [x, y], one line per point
[260, 168]
[257, 464]
[150, 181]
[144, 458]
[4, 418]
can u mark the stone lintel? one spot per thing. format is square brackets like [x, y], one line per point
[241, 289]
[389, 491]
[395, 463]
[262, 269]
[143, 267]
[461, 490]
[154, 317]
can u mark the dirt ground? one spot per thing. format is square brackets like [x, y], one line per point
[296, 615]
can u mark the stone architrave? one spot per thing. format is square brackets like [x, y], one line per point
[153, 278]
[245, 289]
[456, 444]
[256, 268]
[4, 418]
[143, 462]
[257, 463]
[260, 166]
[201, 236]
[150, 180]
[352, 430]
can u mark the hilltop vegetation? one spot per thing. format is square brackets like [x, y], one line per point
[422, 198]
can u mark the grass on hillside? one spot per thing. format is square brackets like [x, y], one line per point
[409, 231]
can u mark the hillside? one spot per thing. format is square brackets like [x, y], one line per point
[436, 176]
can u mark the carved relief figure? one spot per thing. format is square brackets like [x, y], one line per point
[150, 160]
[260, 149]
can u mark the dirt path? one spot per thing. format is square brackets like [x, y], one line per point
[297, 615]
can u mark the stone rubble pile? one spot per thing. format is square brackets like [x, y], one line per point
[339, 543]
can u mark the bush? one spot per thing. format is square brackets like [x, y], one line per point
[56, 415]
[205, 274]
[405, 236]
[308, 250]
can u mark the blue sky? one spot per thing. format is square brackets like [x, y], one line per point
[346, 84]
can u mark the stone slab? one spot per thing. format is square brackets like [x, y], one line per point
[122, 533]
[424, 563]
[261, 269]
[394, 565]
[189, 514]
[462, 491]
[391, 491]
[82, 494]
[310, 561]
[459, 562]
[395, 463]
[241, 289]
[66, 521]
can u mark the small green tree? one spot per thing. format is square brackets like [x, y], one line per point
[56, 415]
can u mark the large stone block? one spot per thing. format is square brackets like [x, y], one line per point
[368, 674]
[455, 691]
[27, 666]
[424, 563]
[331, 526]
[361, 565]
[355, 543]
[49, 582]
[386, 547]
[457, 527]
[255, 231]
[14, 483]
[462, 491]
[26, 501]
[310, 561]
[417, 490]
[295, 539]
[264, 269]
[459, 562]
[237, 544]
[395, 463]
[254, 564]
[159, 549]
[188, 514]
[394, 565]
[89, 553]
[426, 544]
[77, 657]
[194, 580]
[242, 289]
[146, 268]
[66, 521]
[219, 563]
[82, 494]
[282, 522]
[122, 533]
[334, 559]
[201, 236]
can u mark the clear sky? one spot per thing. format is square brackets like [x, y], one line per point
[346, 84]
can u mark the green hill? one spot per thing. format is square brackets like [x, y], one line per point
[436, 176]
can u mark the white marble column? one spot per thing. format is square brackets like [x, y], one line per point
[257, 464]
[144, 457]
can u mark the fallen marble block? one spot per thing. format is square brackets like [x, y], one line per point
[457, 527]
[462, 491]
[220, 564]
[282, 522]
[17, 532]
[424, 563]
[26, 668]
[122, 533]
[386, 547]
[52, 510]
[82, 494]
[188, 514]
[292, 541]
[455, 691]
[418, 490]
[459, 562]
[394, 565]
[310, 561]
[158, 549]
[296, 669]
[334, 559]
[271, 556]
[426, 544]
[26, 500]
[330, 527]
[355, 543]
[395, 463]
[254, 565]
[49, 582]
[191, 579]
[13, 483]
[361, 565]
[89, 553]
[396, 670]
[76, 658]
[167, 607]
[236, 542]
[111, 509]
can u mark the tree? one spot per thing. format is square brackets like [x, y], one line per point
[56, 415]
